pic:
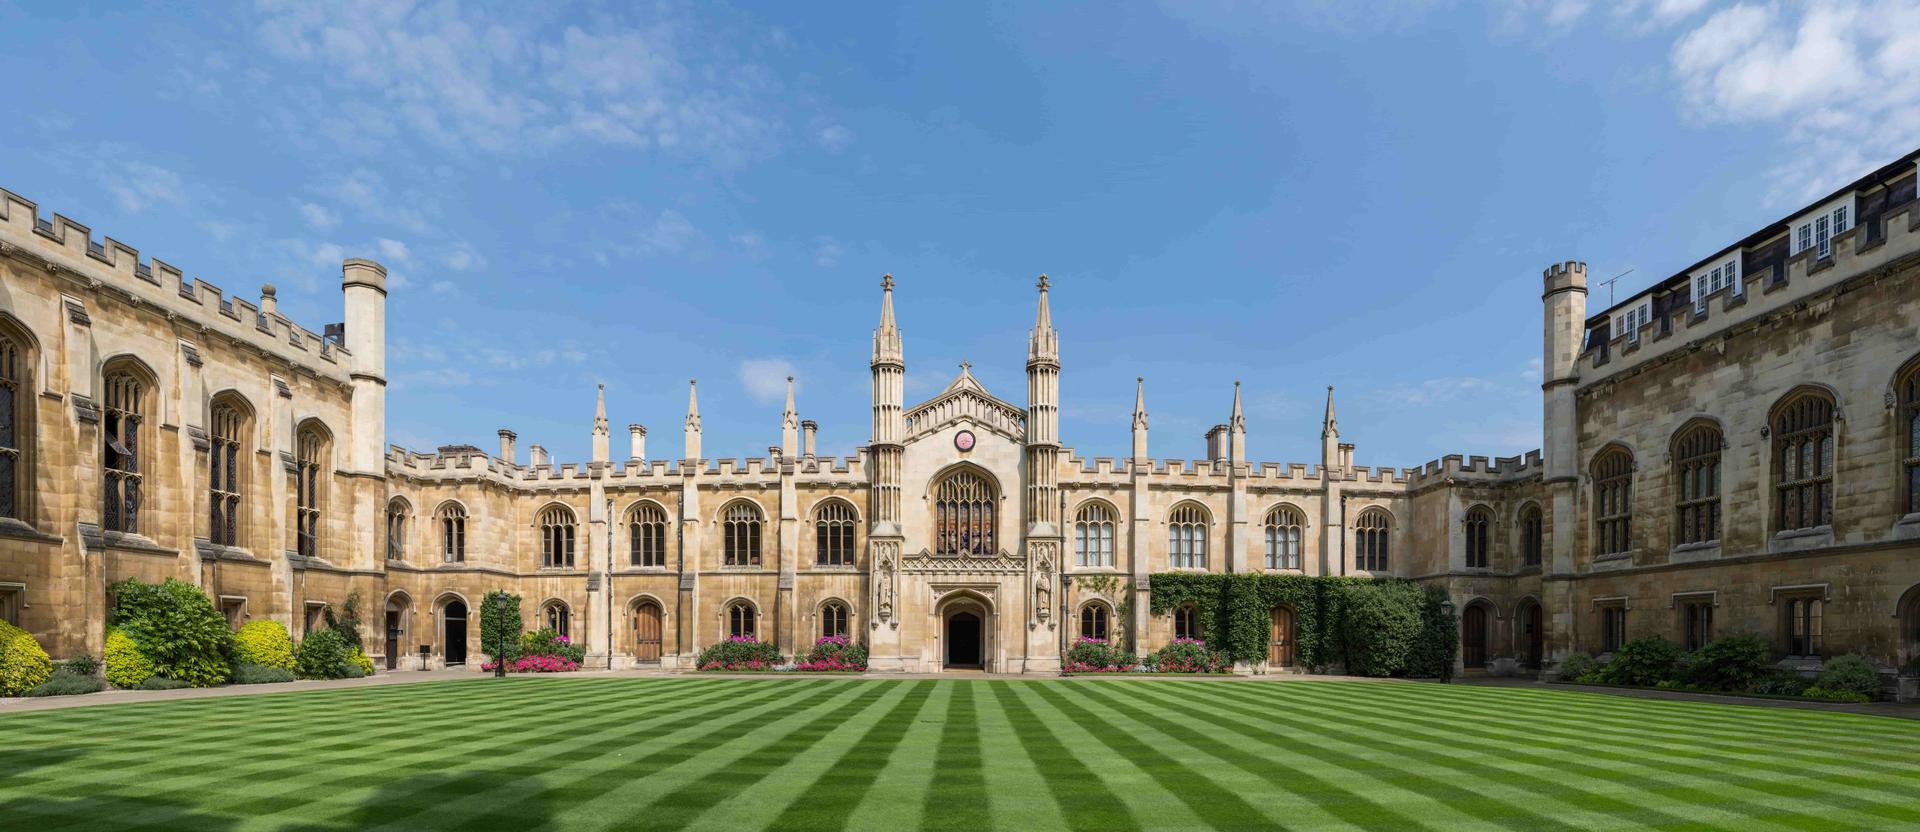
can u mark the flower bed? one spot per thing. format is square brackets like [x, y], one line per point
[833, 654]
[739, 653]
[1188, 655]
[536, 664]
[1095, 655]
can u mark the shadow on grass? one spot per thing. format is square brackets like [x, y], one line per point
[24, 794]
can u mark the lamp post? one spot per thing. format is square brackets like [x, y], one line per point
[1446, 667]
[500, 623]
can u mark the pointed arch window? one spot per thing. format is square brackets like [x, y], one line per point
[453, 533]
[1613, 503]
[1187, 537]
[833, 620]
[558, 618]
[225, 464]
[742, 621]
[1286, 527]
[1909, 421]
[1370, 540]
[13, 474]
[741, 534]
[120, 423]
[1093, 535]
[1479, 538]
[1532, 539]
[647, 536]
[308, 464]
[833, 528]
[1093, 621]
[396, 529]
[963, 508]
[1696, 472]
[1183, 623]
[1803, 462]
[556, 537]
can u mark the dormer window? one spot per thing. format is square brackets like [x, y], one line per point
[1816, 231]
[1630, 321]
[1721, 276]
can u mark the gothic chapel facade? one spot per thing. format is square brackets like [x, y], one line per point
[1736, 449]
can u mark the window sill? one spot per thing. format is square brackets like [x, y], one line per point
[215, 551]
[643, 570]
[1689, 552]
[134, 543]
[1793, 540]
[21, 530]
[834, 568]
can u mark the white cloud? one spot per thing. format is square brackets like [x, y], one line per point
[220, 231]
[833, 137]
[669, 234]
[393, 251]
[317, 216]
[827, 251]
[766, 378]
[138, 186]
[462, 259]
[443, 287]
[366, 192]
[749, 244]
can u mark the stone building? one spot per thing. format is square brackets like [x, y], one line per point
[1736, 449]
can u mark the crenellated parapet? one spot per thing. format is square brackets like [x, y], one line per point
[113, 271]
[1458, 468]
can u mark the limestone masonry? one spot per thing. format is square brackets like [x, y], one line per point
[1734, 450]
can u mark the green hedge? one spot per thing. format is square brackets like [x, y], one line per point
[1335, 620]
[176, 627]
[23, 664]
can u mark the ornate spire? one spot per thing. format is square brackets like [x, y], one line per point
[600, 411]
[693, 405]
[1331, 426]
[1139, 402]
[789, 426]
[1239, 420]
[886, 339]
[1045, 344]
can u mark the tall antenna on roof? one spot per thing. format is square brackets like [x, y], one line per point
[1610, 281]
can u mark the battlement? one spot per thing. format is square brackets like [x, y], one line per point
[61, 245]
[1458, 467]
[1571, 274]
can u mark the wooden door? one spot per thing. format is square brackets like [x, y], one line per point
[393, 639]
[1533, 621]
[1473, 637]
[646, 633]
[1280, 650]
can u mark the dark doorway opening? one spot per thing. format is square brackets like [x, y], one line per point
[393, 638]
[963, 640]
[1532, 632]
[455, 646]
[1473, 637]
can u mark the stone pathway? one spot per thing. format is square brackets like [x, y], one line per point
[1892, 709]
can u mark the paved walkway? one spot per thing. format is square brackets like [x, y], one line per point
[117, 697]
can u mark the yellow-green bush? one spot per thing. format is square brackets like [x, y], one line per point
[23, 665]
[127, 667]
[359, 657]
[264, 642]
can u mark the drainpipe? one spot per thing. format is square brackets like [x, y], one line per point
[1065, 582]
[609, 603]
[680, 575]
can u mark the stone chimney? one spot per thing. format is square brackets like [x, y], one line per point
[536, 455]
[808, 429]
[638, 436]
[506, 444]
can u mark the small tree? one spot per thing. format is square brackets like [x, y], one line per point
[500, 622]
[177, 627]
[347, 620]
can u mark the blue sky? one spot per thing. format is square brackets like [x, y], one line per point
[1294, 196]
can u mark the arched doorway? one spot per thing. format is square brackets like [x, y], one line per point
[646, 632]
[396, 629]
[1473, 637]
[454, 642]
[965, 646]
[1530, 635]
[1280, 649]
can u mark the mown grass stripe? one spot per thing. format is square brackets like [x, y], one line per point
[957, 797]
[832, 797]
[1085, 802]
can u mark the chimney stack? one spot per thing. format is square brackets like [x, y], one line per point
[807, 430]
[1217, 443]
[638, 434]
[536, 455]
[506, 444]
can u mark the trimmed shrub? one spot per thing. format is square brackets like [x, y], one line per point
[546, 642]
[1827, 694]
[498, 625]
[82, 665]
[739, 653]
[1433, 649]
[127, 667]
[1381, 623]
[1779, 683]
[361, 662]
[248, 673]
[23, 664]
[264, 642]
[1852, 673]
[1575, 666]
[1095, 655]
[834, 654]
[163, 683]
[1187, 655]
[176, 626]
[1643, 662]
[1730, 663]
[66, 683]
[323, 655]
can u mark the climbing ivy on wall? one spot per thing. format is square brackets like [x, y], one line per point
[1336, 620]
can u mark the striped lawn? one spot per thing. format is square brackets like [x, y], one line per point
[743, 754]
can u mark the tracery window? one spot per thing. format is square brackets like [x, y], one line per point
[224, 466]
[559, 618]
[308, 464]
[1909, 420]
[556, 537]
[741, 620]
[833, 528]
[396, 529]
[1532, 532]
[453, 533]
[1187, 537]
[1696, 469]
[741, 526]
[1803, 462]
[963, 509]
[833, 620]
[647, 536]
[1093, 535]
[1285, 529]
[1613, 502]
[1803, 626]
[1696, 623]
[1093, 621]
[1613, 627]
[1370, 540]
[1183, 623]
[12, 467]
[1479, 535]
[120, 428]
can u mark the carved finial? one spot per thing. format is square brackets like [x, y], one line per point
[1043, 283]
[966, 366]
[886, 281]
[267, 290]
